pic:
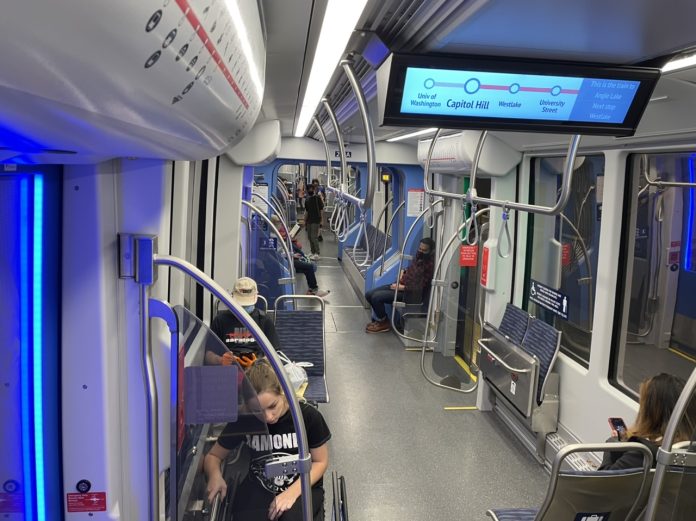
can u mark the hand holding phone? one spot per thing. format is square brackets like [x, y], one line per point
[618, 428]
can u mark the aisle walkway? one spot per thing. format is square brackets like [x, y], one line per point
[404, 457]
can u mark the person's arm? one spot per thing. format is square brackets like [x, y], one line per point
[213, 473]
[286, 499]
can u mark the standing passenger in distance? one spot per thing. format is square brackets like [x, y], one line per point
[313, 218]
[658, 396]
[259, 498]
[319, 190]
[412, 286]
[240, 344]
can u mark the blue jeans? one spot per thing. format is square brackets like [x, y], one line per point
[307, 270]
[378, 297]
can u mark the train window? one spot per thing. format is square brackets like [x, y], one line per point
[656, 314]
[562, 252]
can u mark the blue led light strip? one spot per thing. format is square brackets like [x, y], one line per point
[27, 441]
[688, 247]
[37, 343]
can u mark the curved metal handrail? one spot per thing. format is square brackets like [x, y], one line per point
[389, 226]
[431, 308]
[472, 197]
[666, 184]
[275, 230]
[362, 230]
[327, 152]
[339, 140]
[664, 453]
[383, 211]
[283, 220]
[401, 264]
[272, 357]
[369, 133]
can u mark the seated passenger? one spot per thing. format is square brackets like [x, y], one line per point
[240, 344]
[259, 497]
[658, 396]
[301, 262]
[412, 286]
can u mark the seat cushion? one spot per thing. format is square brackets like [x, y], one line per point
[316, 389]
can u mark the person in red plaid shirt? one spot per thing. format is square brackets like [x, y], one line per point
[412, 286]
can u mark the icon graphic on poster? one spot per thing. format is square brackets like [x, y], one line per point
[565, 304]
[532, 290]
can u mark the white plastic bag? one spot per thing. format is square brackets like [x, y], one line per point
[295, 370]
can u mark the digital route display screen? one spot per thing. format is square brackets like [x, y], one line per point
[505, 94]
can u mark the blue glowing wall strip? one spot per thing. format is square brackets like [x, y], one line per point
[37, 335]
[25, 353]
[688, 247]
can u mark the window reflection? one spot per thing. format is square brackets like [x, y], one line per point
[563, 250]
[658, 318]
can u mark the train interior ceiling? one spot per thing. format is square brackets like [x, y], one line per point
[145, 156]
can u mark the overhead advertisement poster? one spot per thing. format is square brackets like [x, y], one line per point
[516, 96]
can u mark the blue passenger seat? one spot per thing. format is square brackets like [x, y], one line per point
[301, 334]
[542, 341]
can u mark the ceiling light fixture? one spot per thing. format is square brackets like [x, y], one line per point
[340, 19]
[412, 134]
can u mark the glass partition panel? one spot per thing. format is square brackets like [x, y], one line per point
[216, 406]
[563, 250]
[658, 279]
[266, 263]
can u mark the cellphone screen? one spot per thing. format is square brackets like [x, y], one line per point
[618, 426]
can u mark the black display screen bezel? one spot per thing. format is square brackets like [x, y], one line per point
[399, 63]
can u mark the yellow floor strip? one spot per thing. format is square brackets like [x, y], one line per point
[683, 355]
[465, 366]
[463, 408]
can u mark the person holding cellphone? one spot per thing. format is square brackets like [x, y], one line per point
[658, 397]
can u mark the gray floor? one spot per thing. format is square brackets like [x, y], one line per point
[403, 456]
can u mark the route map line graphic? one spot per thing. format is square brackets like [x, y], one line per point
[473, 85]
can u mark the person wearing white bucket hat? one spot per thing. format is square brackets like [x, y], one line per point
[239, 344]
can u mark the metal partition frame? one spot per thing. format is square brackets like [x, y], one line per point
[436, 284]
[304, 461]
[389, 227]
[402, 256]
[288, 251]
[282, 217]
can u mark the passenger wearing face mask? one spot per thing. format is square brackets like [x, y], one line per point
[413, 285]
[239, 343]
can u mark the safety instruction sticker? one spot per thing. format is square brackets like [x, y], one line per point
[599, 516]
[468, 255]
[549, 298]
[89, 502]
[11, 502]
[415, 203]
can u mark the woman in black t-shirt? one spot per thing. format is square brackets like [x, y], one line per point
[259, 498]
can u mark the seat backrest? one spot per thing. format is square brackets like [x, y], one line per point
[677, 499]
[301, 334]
[514, 323]
[605, 495]
[543, 341]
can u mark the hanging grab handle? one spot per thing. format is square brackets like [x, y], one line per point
[472, 223]
[505, 234]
